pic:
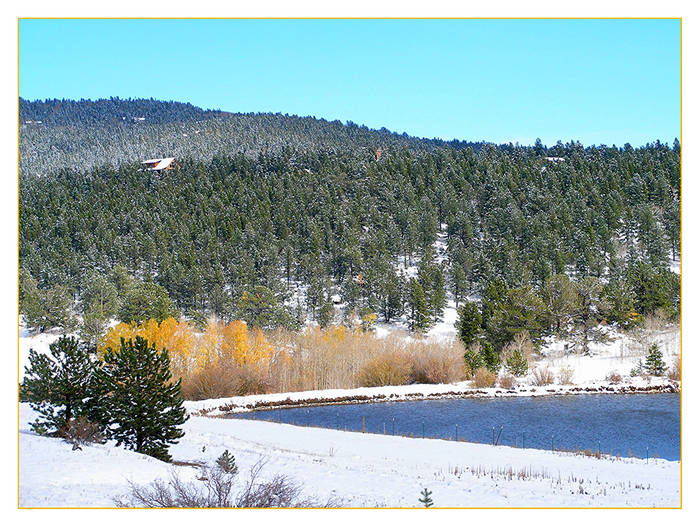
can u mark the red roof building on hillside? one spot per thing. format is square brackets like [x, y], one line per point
[158, 164]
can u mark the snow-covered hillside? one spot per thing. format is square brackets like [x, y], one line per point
[361, 469]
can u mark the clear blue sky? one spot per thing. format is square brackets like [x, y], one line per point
[595, 81]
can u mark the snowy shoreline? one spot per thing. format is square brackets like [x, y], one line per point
[364, 470]
[249, 403]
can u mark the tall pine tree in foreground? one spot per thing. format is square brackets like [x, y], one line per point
[142, 406]
[60, 386]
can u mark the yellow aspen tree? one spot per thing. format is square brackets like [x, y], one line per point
[112, 339]
[210, 344]
[236, 341]
[261, 351]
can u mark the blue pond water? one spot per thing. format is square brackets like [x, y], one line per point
[616, 424]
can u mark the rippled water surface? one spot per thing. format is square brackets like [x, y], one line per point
[616, 424]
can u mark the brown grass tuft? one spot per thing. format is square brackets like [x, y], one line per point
[507, 381]
[566, 376]
[674, 373]
[542, 376]
[614, 377]
[435, 364]
[484, 378]
[224, 379]
[388, 369]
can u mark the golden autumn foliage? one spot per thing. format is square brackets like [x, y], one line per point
[232, 359]
[190, 351]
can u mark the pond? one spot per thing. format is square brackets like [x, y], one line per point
[624, 425]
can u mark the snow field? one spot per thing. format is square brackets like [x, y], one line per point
[364, 470]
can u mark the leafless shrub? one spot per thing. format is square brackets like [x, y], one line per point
[566, 376]
[279, 491]
[542, 376]
[225, 378]
[614, 377]
[388, 369]
[216, 489]
[436, 364]
[656, 321]
[507, 381]
[522, 343]
[80, 431]
[675, 372]
[484, 378]
[342, 357]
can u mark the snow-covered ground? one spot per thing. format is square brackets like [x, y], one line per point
[619, 355]
[373, 470]
[361, 469]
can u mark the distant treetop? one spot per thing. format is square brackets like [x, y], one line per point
[61, 112]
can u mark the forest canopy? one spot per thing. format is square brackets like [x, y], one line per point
[271, 217]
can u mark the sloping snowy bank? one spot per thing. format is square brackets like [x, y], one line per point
[362, 469]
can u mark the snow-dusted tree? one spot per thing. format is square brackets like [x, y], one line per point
[60, 386]
[655, 364]
[227, 462]
[590, 306]
[141, 405]
[419, 319]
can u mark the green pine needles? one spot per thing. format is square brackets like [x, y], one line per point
[655, 364]
[425, 498]
[129, 397]
[517, 364]
[142, 406]
[60, 386]
[227, 463]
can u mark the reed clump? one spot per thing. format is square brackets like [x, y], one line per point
[484, 378]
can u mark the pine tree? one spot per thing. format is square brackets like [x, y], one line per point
[93, 328]
[45, 308]
[419, 313]
[60, 386]
[227, 463]
[490, 357]
[517, 364]
[469, 323]
[142, 407]
[147, 300]
[473, 358]
[655, 364]
[425, 498]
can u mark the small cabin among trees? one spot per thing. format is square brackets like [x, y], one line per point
[165, 163]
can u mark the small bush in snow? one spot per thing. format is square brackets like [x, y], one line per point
[517, 364]
[473, 359]
[425, 498]
[227, 462]
[507, 381]
[217, 489]
[675, 372]
[542, 376]
[566, 376]
[80, 432]
[484, 378]
[655, 364]
[614, 377]
[638, 369]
